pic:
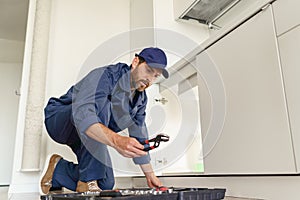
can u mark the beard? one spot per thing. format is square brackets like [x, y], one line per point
[141, 85]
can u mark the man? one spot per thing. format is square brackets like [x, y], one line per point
[87, 118]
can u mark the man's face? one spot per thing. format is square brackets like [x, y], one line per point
[142, 75]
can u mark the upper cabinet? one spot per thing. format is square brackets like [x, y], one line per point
[286, 14]
[255, 135]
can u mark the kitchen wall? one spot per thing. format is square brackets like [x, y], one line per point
[164, 19]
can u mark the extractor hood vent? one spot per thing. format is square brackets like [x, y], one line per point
[207, 11]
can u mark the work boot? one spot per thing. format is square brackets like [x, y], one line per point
[46, 181]
[90, 186]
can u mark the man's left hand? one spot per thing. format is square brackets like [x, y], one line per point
[152, 180]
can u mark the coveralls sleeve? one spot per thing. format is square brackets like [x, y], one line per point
[139, 131]
[91, 100]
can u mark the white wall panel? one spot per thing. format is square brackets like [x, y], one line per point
[289, 45]
[287, 15]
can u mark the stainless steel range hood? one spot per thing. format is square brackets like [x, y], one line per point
[205, 11]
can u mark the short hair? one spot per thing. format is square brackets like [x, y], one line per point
[141, 59]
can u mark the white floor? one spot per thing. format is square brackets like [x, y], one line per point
[21, 196]
[3, 193]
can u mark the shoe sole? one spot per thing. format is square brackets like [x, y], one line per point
[46, 168]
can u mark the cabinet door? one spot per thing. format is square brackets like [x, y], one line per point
[287, 15]
[289, 46]
[255, 138]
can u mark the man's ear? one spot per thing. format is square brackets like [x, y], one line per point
[135, 62]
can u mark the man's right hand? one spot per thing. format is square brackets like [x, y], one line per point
[127, 146]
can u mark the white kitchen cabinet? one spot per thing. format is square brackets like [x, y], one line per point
[286, 14]
[255, 138]
[289, 46]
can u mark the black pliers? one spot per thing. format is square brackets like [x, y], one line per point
[159, 138]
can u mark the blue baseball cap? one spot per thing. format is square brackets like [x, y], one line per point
[155, 58]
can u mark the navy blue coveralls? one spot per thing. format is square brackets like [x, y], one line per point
[102, 96]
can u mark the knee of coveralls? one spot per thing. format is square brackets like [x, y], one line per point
[66, 174]
[108, 182]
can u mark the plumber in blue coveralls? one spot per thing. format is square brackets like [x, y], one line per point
[87, 118]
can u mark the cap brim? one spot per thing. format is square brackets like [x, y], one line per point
[165, 73]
